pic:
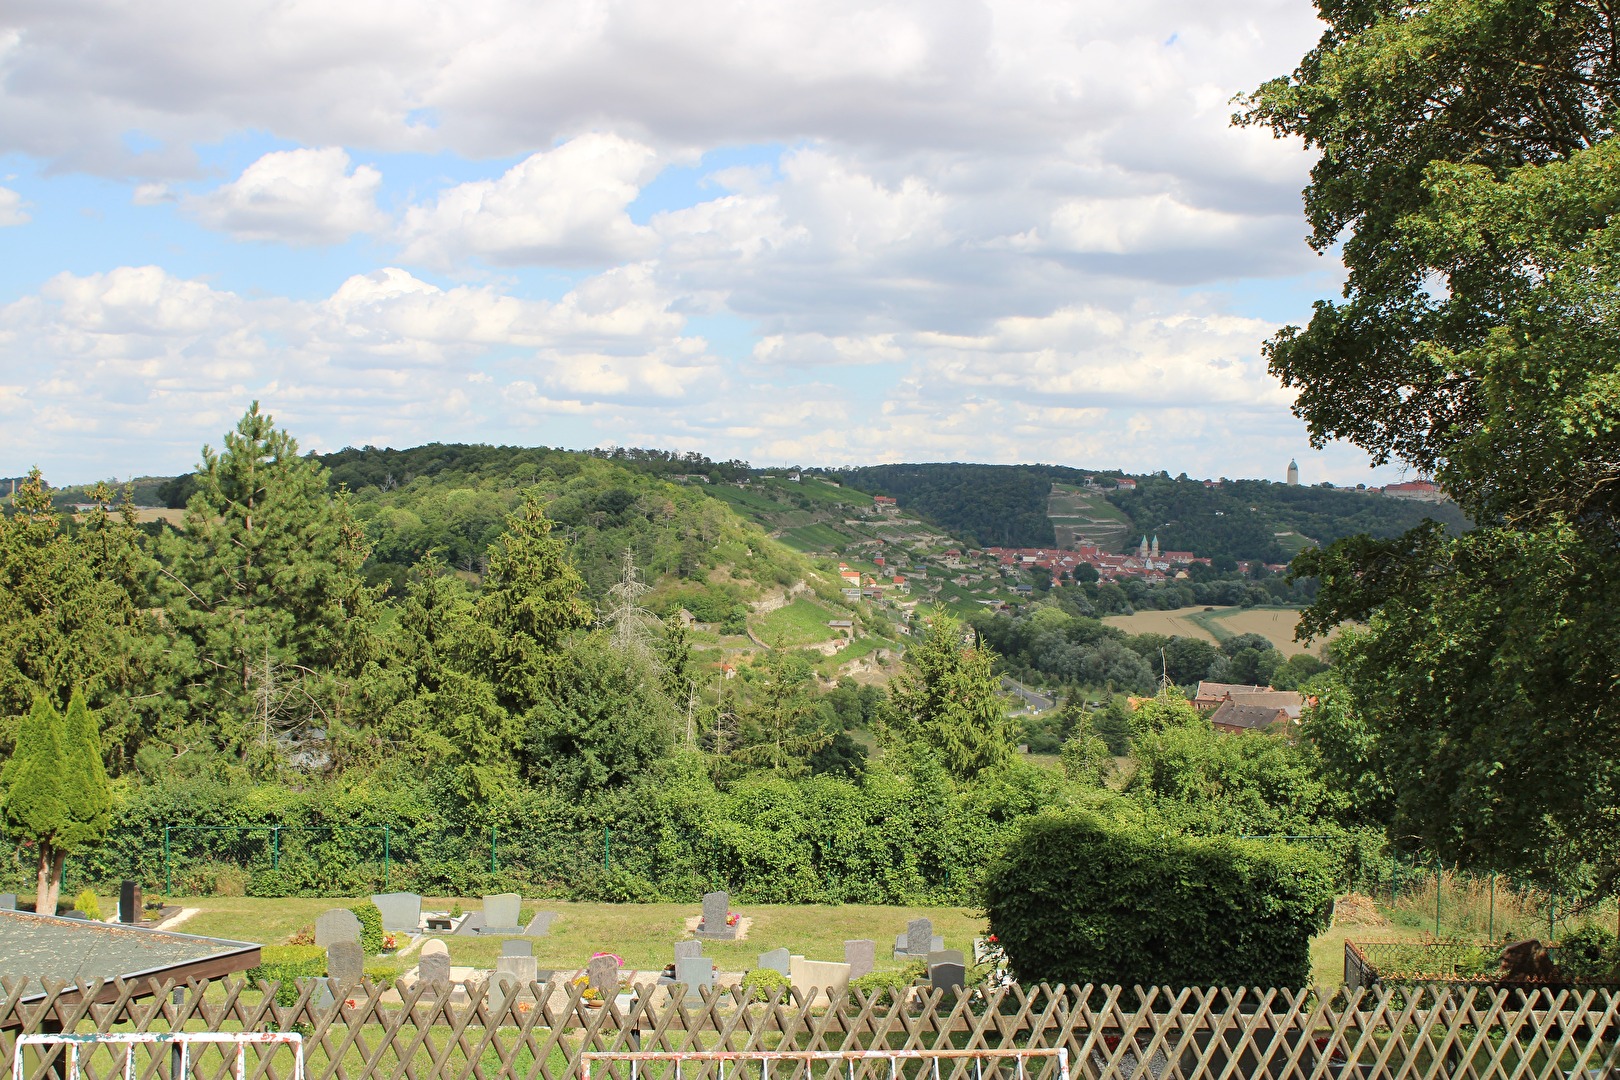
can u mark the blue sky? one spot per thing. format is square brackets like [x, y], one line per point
[819, 233]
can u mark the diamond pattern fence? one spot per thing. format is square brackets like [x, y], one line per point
[1110, 1033]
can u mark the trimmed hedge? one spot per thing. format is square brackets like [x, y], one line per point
[1075, 899]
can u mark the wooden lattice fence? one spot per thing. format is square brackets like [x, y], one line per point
[1411, 1033]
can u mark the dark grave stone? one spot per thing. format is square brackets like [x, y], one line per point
[129, 902]
[716, 908]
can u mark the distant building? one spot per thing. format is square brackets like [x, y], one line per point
[1293, 473]
[1232, 717]
[1417, 490]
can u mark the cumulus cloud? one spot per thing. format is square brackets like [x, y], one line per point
[12, 211]
[561, 207]
[294, 196]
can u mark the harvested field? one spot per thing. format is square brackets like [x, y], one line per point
[1275, 624]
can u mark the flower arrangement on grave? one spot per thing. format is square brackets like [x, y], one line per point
[390, 943]
[590, 995]
[731, 918]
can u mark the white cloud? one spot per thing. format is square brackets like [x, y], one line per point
[294, 196]
[11, 208]
[561, 207]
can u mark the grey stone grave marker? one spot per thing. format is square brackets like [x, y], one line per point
[602, 975]
[337, 924]
[696, 972]
[434, 967]
[919, 937]
[947, 976]
[345, 965]
[776, 960]
[861, 956]
[8, 901]
[517, 948]
[401, 911]
[688, 950]
[716, 906]
[523, 969]
[501, 913]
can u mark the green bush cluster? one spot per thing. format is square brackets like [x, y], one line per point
[371, 927]
[1589, 953]
[888, 985]
[285, 965]
[87, 903]
[1075, 899]
[761, 983]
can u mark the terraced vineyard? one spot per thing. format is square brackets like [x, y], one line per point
[1086, 517]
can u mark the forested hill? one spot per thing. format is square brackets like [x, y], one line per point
[1244, 519]
[987, 505]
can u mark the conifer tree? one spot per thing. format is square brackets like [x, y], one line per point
[53, 791]
[948, 697]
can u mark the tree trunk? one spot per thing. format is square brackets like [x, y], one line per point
[45, 889]
[58, 860]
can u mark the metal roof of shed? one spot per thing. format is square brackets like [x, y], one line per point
[80, 951]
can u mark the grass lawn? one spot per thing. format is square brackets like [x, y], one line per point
[643, 934]
[802, 622]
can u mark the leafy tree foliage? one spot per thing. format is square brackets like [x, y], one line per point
[1467, 166]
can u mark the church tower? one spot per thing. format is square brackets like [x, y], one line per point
[1155, 551]
[1293, 473]
[1142, 552]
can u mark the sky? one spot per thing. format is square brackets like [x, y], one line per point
[798, 232]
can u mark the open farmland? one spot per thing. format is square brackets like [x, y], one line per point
[1216, 624]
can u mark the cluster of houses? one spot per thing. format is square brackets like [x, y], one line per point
[1233, 707]
[1147, 562]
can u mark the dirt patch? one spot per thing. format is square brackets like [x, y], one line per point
[1353, 909]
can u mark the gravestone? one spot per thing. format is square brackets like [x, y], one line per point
[697, 972]
[688, 950]
[919, 937]
[820, 980]
[523, 969]
[346, 965]
[8, 901]
[861, 956]
[602, 975]
[471, 924]
[517, 948]
[338, 924]
[716, 906]
[129, 902]
[401, 911]
[501, 913]
[946, 970]
[434, 967]
[73, 913]
[776, 960]
[540, 925]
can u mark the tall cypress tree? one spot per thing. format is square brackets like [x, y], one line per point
[54, 792]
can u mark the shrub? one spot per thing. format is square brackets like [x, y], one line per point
[86, 902]
[285, 964]
[1588, 954]
[887, 985]
[1074, 900]
[760, 984]
[384, 972]
[371, 928]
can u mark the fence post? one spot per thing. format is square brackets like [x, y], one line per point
[1490, 931]
[168, 871]
[607, 848]
[275, 847]
[492, 841]
[385, 858]
[1437, 872]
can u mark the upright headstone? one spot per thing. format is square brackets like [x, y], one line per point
[948, 973]
[517, 948]
[523, 969]
[401, 911]
[540, 925]
[919, 937]
[346, 965]
[686, 950]
[434, 967]
[776, 960]
[602, 975]
[696, 972]
[819, 979]
[501, 913]
[716, 908]
[129, 902]
[337, 924]
[861, 956]
[8, 901]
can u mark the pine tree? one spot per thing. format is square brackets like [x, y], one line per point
[948, 697]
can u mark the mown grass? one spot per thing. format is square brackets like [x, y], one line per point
[803, 622]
